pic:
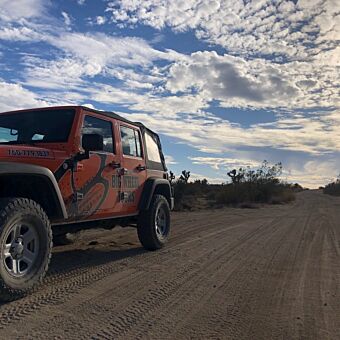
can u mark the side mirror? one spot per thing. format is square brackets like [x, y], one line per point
[92, 142]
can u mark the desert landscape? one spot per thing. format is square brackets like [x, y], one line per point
[271, 272]
[224, 114]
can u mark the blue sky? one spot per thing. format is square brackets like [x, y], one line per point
[225, 83]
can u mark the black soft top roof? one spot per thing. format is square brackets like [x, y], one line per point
[85, 108]
[118, 117]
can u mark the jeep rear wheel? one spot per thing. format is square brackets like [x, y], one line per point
[154, 224]
[25, 246]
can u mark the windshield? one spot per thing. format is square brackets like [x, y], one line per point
[46, 126]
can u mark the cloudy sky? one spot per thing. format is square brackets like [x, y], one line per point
[225, 83]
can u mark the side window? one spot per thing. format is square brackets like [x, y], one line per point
[152, 149]
[101, 127]
[8, 135]
[130, 141]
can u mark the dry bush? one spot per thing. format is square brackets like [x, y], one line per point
[261, 185]
[249, 187]
[332, 188]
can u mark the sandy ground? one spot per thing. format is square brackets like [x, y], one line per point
[269, 273]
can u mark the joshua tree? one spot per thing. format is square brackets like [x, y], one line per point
[236, 177]
[185, 176]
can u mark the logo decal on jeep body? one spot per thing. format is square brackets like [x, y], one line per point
[28, 153]
[94, 192]
[131, 182]
[128, 197]
[116, 181]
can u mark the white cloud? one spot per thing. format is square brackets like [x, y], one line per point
[313, 173]
[16, 10]
[112, 95]
[89, 106]
[65, 73]
[225, 162]
[100, 20]
[104, 49]
[216, 135]
[97, 21]
[193, 81]
[88, 55]
[14, 96]
[212, 180]
[196, 176]
[169, 160]
[250, 28]
[22, 33]
[237, 82]
[19, 19]
[67, 19]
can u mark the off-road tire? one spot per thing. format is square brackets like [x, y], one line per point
[147, 231]
[17, 211]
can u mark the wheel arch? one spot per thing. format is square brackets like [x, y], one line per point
[34, 182]
[152, 187]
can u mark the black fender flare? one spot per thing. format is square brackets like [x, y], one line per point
[8, 168]
[150, 187]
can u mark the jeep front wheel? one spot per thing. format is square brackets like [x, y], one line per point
[25, 246]
[154, 224]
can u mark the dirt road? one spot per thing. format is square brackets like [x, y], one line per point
[269, 273]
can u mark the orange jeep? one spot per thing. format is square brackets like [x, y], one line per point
[63, 169]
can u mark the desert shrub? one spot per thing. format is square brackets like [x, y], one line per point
[286, 195]
[248, 186]
[297, 187]
[272, 193]
[186, 193]
[333, 188]
[259, 186]
[193, 195]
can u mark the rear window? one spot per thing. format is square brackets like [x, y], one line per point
[47, 126]
[152, 149]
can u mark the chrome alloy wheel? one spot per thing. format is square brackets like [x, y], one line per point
[20, 249]
[161, 224]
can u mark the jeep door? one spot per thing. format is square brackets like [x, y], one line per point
[133, 172]
[95, 193]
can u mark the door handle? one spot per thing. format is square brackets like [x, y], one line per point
[141, 167]
[123, 171]
[114, 165]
